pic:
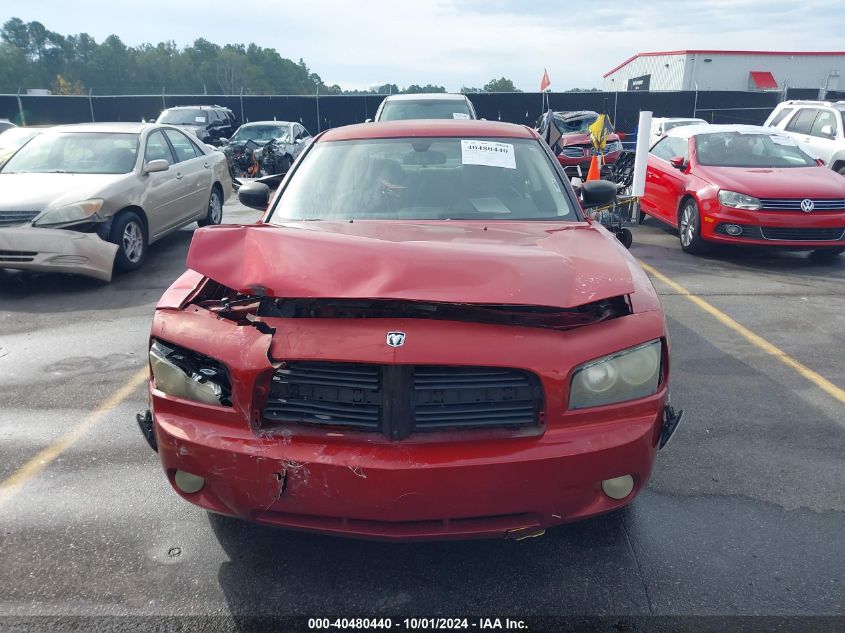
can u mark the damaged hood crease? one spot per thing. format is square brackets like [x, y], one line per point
[563, 265]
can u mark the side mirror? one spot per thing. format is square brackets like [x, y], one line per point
[156, 165]
[678, 162]
[255, 195]
[368, 121]
[595, 193]
[223, 140]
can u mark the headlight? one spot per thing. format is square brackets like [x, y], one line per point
[83, 211]
[185, 374]
[632, 373]
[739, 200]
[613, 146]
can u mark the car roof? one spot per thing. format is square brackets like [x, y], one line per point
[427, 96]
[677, 118]
[686, 131]
[279, 123]
[199, 107]
[118, 127]
[457, 128]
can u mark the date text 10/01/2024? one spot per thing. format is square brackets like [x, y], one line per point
[414, 624]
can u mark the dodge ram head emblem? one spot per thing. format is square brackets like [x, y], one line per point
[807, 205]
[396, 339]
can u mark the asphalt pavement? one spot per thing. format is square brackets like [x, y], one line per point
[743, 515]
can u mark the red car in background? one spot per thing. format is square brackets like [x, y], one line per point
[574, 149]
[423, 338]
[743, 184]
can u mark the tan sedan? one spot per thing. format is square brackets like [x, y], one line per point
[90, 198]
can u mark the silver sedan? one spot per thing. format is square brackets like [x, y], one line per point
[90, 198]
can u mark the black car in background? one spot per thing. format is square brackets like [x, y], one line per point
[264, 148]
[209, 123]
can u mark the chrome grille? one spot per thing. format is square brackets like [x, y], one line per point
[8, 218]
[794, 204]
[573, 152]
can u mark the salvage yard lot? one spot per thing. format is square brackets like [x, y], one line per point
[743, 514]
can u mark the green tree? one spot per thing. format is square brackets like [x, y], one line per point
[500, 85]
[415, 89]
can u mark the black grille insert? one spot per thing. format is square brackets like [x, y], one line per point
[398, 400]
[17, 256]
[810, 235]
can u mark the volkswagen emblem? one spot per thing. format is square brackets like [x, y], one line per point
[396, 339]
[807, 205]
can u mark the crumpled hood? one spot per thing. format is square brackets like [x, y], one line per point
[35, 192]
[528, 263]
[773, 182]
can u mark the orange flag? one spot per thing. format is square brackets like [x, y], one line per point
[545, 82]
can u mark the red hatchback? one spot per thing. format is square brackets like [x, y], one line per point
[423, 338]
[743, 184]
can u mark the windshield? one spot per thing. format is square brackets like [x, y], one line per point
[425, 179]
[16, 136]
[183, 117]
[401, 110]
[739, 149]
[671, 125]
[76, 153]
[580, 125]
[261, 134]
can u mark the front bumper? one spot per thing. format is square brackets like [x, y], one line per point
[764, 228]
[573, 161]
[449, 484]
[56, 250]
[395, 491]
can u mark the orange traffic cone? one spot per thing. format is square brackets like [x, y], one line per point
[594, 173]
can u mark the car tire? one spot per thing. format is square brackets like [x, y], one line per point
[214, 215]
[826, 254]
[689, 228]
[129, 232]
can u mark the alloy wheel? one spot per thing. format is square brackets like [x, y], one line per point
[215, 208]
[133, 242]
[687, 228]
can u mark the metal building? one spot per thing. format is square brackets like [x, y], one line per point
[727, 70]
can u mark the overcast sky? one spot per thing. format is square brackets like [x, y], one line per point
[455, 42]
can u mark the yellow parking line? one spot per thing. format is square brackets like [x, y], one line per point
[820, 381]
[10, 486]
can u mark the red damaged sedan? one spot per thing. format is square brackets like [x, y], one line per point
[744, 184]
[423, 338]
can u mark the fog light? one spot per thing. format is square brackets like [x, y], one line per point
[188, 483]
[733, 229]
[69, 259]
[618, 487]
